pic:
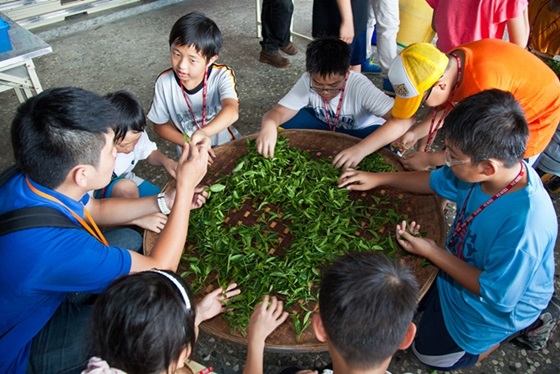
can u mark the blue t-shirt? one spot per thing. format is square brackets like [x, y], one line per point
[512, 242]
[39, 266]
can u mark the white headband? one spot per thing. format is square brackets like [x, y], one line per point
[178, 285]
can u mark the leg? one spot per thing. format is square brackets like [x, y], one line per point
[123, 188]
[148, 189]
[358, 52]
[387, 18]
[433, 345]
[124, 238]
[305, 119]
[63, 345]
[276, 18]
[360, 133]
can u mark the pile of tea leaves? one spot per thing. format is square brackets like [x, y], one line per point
[273, 224]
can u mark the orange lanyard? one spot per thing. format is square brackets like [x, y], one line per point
[93, 231]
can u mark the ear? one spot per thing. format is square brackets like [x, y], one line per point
[409, 336]
[79, 175]
[211, 60]
[183, 356]
[489, 167]
[318, 328]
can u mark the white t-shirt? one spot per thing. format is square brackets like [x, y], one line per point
[169, 105]
[363, 104]
[125, 162]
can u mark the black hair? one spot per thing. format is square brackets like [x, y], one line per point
[489, 124]
[197, 30]
[131, 113]
[141, 323]
[59, 129]
[327, 56]
[366, 303]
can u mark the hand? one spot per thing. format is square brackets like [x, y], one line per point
[357, 180]
[199, 197]
[347, 32]
[213, 303]
[199, 137]
[266, 318]
[154, 222]
[406, 141]
[266, 141]
[192, 165]
[416, 160]
[412, 243]
[349, 158]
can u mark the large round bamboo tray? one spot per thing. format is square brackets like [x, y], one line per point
[422, 208]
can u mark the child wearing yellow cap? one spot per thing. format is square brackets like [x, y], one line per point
[423, 74]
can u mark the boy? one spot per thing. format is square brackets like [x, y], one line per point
[195, 98]
[423, 74]
[366, 305]
[330, 97]
[133, 145]
[63, 146]
[498, 266]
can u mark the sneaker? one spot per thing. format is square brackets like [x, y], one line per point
[538, 336]
[370, 67]
[289, 49]
[273, 58]
[388, 87]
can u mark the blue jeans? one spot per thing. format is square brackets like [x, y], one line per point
[305, 119]
[64, 344]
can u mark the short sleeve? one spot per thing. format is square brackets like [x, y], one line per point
[444, 183]
[158, 112]
[144, 147]
[227, 86]
[298, 96]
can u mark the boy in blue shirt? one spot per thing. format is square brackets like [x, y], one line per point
[498, 265]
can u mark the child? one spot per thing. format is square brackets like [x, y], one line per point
[330, 97]
[497, 270]
[463, 21]
[366, 305]
[422, 74]
[154, 317]
[133, 145]
[196, 97]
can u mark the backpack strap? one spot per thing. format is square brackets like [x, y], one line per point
[34, 217]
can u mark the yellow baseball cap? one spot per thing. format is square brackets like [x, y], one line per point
[412, 73]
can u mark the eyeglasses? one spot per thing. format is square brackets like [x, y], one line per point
[449, 162]
[327, 90]
[428, 95]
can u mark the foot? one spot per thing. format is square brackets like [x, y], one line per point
[551, 183]
[370, 67]
[538, 337]
[388, 87]
[289, 49]
[273, 58]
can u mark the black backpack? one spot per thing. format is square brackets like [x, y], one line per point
[32, 217]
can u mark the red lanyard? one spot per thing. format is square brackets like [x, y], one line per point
[204, 89]
[461, 225]
[531, 36]
[433, 126]
[93, 231]
[333, 126]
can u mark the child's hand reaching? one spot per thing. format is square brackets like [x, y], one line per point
[412, 242]
[357, 180]
[214, 303]
[266, 317]
[154, 222]
[350, 157]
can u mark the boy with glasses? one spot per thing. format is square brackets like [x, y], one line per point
[329, 96]
[497, 268]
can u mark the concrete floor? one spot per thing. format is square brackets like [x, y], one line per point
[127, 48]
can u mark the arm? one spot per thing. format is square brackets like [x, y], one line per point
[389, 131]
[347, 20]
[168, 132]
[266, 140]
[157, 158]
[420, 160]
[264, 320]
[465, 274]
[225, 118]
[169, 245]
[416, 181]
[518, 29]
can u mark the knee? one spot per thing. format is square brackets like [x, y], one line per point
[125, 188]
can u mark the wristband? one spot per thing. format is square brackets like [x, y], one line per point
[162, 204]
